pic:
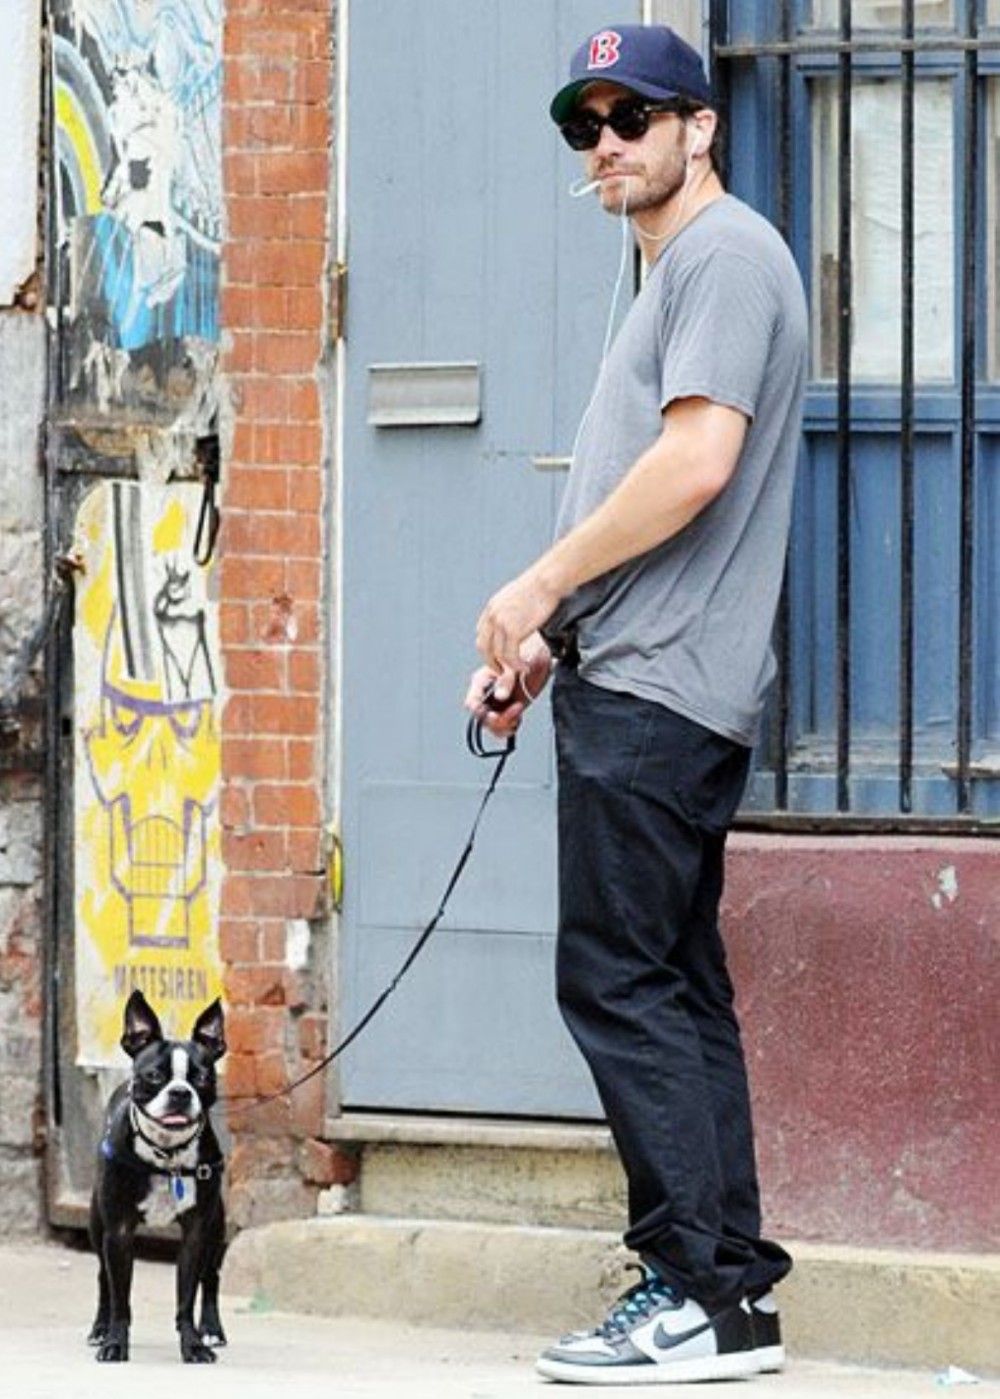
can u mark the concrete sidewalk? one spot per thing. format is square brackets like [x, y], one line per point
[48, 1297]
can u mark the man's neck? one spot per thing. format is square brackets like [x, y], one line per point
[663, 225]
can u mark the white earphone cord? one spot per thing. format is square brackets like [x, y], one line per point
[612, 311]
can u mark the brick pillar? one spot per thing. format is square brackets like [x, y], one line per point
[277, 170]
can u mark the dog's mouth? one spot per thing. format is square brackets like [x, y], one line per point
[176, 1120]
[169, 1128]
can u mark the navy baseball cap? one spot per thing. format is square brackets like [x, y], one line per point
[646, 58]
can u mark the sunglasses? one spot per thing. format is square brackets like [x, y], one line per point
[628, 119]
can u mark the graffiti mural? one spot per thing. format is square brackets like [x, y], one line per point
[147, 860]
[138, 131]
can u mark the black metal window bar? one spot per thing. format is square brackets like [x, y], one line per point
[788, 48]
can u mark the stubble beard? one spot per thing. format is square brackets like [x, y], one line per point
[639, 194]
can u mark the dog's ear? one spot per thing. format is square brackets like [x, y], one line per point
[141, 1025]
[209, 1031]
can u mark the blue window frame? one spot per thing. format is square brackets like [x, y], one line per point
[781, 114]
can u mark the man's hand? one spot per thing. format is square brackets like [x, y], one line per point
[520, 686]
[512, 616]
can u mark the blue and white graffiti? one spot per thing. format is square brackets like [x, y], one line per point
[138, 132]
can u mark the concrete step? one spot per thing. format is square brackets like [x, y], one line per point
[45, 1317]
[866, 1306]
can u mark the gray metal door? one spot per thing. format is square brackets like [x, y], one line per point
[464, 250]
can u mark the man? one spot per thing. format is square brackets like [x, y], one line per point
[658, 600]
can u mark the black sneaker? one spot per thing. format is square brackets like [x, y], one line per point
[654, 1335]
[767, 1344]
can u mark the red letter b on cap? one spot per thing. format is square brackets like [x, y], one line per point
[604, 49]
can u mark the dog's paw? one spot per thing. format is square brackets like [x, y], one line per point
[210, 1327]
[98, 1333]
[113, 1352]
[194, 1353]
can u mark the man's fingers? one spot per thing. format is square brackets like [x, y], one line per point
[485, 627]
[474, 694]
[502, 725]
[478, 685]
[509, 652]
[494, 644]
[484, 643]
[505, 684]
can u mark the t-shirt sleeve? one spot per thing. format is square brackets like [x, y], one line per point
[717, 331]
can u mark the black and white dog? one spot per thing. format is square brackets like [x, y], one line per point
[159, 1160]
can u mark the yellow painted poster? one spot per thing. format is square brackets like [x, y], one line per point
[147, 769]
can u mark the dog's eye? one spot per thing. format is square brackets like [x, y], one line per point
[154, 1078]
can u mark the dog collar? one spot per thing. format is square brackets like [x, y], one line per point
[136, 1113]
[204, 1170]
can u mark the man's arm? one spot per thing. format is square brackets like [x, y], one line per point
[684, 470]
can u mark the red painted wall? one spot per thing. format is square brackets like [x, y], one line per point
[868, 978]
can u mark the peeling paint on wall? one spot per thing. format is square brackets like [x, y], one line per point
[22, 408]
[20, 43]
[138, 141]
[947, 890]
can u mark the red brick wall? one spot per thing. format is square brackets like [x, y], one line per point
[277, 169]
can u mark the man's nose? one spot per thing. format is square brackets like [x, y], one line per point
[608, 143]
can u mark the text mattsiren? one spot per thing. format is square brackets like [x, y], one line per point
[162, 983]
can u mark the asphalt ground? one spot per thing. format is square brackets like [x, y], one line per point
[47, 1299]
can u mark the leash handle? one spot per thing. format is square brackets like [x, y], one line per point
[475, 729]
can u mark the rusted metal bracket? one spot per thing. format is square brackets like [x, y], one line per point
[338, 302]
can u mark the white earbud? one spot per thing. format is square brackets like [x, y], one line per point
[698, 145]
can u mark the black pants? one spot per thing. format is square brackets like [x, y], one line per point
[645, 799]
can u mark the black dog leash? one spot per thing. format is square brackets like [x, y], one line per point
[476, 744]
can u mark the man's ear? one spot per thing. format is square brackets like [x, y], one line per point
[209, 1031]
[141, 1025]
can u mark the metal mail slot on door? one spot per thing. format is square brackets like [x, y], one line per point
[424, 395]
[552, 463]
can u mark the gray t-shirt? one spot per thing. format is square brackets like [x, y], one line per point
[721, 316]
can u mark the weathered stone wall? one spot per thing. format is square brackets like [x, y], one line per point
[22, 380]
[22, 506]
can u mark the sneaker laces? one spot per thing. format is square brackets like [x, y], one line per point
[641, 1299]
